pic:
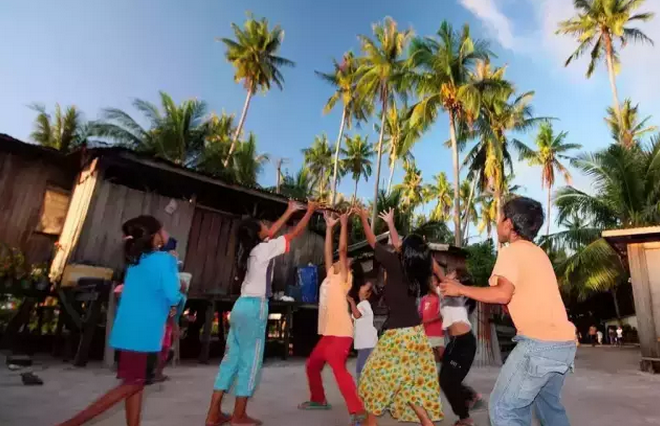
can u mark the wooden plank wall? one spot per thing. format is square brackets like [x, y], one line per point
[23, 183]
[212, 249]
[100, 243]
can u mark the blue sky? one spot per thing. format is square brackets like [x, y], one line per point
[98, 54]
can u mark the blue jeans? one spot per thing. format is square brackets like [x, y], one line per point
[363, 355]
[533, 375]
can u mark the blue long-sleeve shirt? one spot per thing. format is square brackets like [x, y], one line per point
[150, 288]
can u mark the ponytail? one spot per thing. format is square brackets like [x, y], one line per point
[139, 235]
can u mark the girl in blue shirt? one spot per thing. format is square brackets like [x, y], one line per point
[151, 287]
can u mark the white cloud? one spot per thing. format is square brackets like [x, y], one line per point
[488, 12]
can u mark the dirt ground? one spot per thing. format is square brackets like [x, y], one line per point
[606, 389]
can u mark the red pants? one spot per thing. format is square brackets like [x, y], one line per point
[333, 350]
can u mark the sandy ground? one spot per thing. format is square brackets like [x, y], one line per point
[606, 389]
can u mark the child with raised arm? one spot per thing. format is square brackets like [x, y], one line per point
[257, 247]
[400, 375]
[335, 328]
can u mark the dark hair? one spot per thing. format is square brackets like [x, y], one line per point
[417, 265]
[138, 237]
[526, 216]
[248, 238]
[360, 278]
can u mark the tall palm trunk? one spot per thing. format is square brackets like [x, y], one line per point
[549, 209]
[239, 129]
[389, 180]
[374, 213]
[337, 149]
[355, 190]
[609, 55]
[497, 196]
[466, 223]
[458, 240]
[616, 305]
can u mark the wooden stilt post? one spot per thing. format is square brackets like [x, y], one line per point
[108, 352]
[204, 354]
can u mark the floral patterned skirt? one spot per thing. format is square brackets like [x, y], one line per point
[401, 371]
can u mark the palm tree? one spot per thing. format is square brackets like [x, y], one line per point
[445, 82]
[550, 150]
[63, 132]
[625, 194]
[400, 137]
[381, 77]
[318, 159]
[254, 56]
[176, 134]
[632, 129]
[468, 207]
[597, 25]
[357, 159]
[299, 187]
[488, 216]
[412, 188]
[247, 163]
[440, 192]
[490, 157]
[344, 79]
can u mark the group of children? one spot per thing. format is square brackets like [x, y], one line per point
[396, 372]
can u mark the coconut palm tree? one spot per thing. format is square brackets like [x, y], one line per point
[63, 132]
[412, 188]
[176, 134]
[354, 108]
[488, 215]
[444, 81]
[440, 193]
[468, 207]
[318, 159]
[381, 77]
[399, 139]
[490, 158]
[551, 149]
[597, 26]
[300, 186]
[219, 131]
[357, 159]
[632, 129]
[625, 194]
[247, 163]
[254, 56]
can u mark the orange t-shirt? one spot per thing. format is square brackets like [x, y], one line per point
[334, 317]
[536, 306]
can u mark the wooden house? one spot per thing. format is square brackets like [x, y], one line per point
[76, 203]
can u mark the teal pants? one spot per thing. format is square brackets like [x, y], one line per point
[244, 352]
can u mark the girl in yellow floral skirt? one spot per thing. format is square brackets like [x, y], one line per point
[400, 375]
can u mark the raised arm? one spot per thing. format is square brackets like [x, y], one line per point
[300, 227]
[369, 234]
[388, 217]
[343, 247]
[330, 223]
[279, 223]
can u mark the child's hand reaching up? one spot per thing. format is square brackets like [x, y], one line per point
[330, 221]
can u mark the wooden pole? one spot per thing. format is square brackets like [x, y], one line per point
[108, 352]
[205, 353]
[643, 304]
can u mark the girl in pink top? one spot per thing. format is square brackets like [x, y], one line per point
[429, 311]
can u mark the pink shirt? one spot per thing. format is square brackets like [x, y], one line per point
[429, 309]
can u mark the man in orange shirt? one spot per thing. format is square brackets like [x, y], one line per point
[524, 280]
